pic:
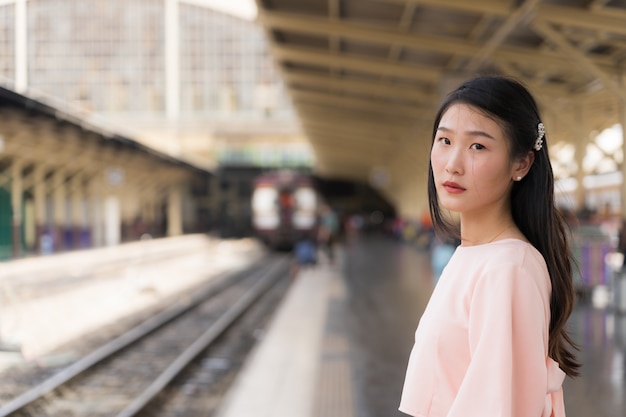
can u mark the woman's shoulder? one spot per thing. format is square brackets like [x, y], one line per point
[501, 253]
[497, 266]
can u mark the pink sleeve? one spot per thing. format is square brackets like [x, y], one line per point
[555, 406]
[507, 329]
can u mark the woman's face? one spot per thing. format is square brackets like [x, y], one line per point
[470, 162]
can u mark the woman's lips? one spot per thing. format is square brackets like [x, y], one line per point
[453, 187]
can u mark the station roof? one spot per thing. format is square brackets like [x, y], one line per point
[104, 136]
[366, 76]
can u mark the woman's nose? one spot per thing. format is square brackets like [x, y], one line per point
[454, 164]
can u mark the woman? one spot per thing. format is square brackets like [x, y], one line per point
[492, 340]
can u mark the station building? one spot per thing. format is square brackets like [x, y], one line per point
[131, 118]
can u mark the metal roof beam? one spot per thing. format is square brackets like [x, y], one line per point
[354, 103]
[321, 26]
[356, 127]
[405, 24]
[605, 20]
[372, 140]
[365, 65]
[341, 115]
[500, 8]
[518, 17]
[356, 98]
[553, 36]
[379, 89]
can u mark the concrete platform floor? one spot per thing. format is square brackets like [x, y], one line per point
[373, 297]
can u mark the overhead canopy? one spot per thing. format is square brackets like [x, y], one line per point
[366, 76]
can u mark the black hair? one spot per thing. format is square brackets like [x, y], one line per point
[532, 199]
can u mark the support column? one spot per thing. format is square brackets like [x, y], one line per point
[215, 196]
[139, 226]
[58, 217]
[112, 220]
[148, 215]
[17, 192]
[78, 214]
[174, 211]
[96, 217]
[39, 201]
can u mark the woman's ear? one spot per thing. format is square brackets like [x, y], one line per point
[522, 165]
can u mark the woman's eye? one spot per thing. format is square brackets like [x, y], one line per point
[445, 141]
[477, 146]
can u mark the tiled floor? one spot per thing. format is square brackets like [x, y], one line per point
[600, 391]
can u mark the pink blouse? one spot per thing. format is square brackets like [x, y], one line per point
[481, 346]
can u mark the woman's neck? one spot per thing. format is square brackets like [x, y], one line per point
[486, 229]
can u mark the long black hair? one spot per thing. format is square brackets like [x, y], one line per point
[532, 199]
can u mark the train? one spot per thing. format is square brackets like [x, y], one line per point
[284, 208]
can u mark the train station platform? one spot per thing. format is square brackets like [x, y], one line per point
[48, 301]
[339, 343]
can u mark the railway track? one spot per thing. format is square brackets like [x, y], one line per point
[127, 374]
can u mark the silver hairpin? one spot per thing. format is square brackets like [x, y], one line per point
[541, 131]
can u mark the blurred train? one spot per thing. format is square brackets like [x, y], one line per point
[284, 208]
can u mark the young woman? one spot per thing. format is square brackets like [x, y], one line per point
[492, 340]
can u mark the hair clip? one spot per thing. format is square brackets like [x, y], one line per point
[541, 131]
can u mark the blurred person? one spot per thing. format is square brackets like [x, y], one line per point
[353, 225]
[492, 340]
[327, 230]
[305, 255]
